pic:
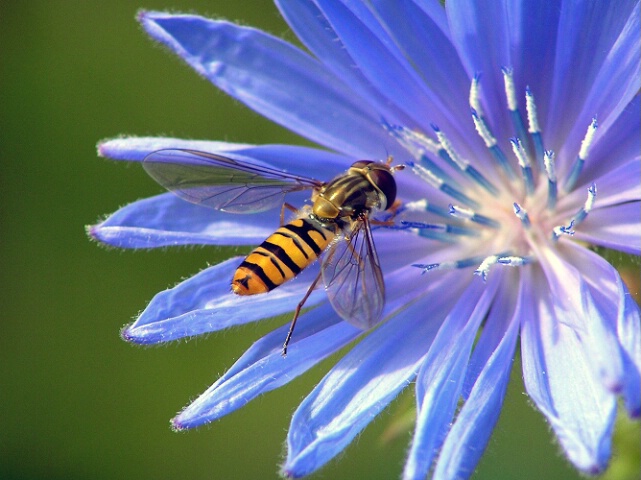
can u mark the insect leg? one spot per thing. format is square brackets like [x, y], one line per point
[297, 313]
[289, 207]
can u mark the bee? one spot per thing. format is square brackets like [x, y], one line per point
[336, 227]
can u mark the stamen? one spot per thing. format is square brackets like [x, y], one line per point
[581, 157]
[438, 227]
[534, 129]
[502, 259]
[465, 263]
[423, 206]
[468, 214]
[462, 164]
[513, 261]
[562, 230]
[484, 268]
[522, 215]
[475, 98]
[490, 142]
[550, 170]
[512, 104]
[417, 144]
[524, 163]
[438, 183]
[587, 206]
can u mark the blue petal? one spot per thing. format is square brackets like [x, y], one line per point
[592, 35]
[619, 77]
[440, 379]
[629, 331]
[482, 32]
[622, 317]
[166, 220]
[469, 435]
[305, 161]
[262, 368]
[276, 79]
[617, 186]
[314, 30]
[204, 303]
[421, 33]
[620, 144]
[385, 66]
[364, 382]
[559, 376]
[587, 300]
[614, 227]
[494, 330]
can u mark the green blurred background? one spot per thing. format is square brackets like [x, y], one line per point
[78, 402]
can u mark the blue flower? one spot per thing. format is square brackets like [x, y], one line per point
[519, 123]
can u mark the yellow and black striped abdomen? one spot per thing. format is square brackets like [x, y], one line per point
[281, 257]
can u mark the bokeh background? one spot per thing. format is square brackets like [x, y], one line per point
[78, 402]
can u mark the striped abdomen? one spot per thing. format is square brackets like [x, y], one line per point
[281, 257]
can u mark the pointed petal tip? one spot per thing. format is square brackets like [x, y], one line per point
[140, 15]
[286, 472]
[110, 148]
[595, 470]
[188, 419]
[96, 233]
[129, 335]
[177, 425]
[101, 148]
[92, 232]
[146, 16]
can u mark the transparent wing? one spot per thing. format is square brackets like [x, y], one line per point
[223, 183]
[353, 278]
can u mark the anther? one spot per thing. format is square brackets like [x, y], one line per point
[533, 127]
[423, 205]
[475, 98]
[464, 263]
[524, 163]
[514, 261]
[440, 228]
[468, 214]
[461, 164]
[587, 206]
[512, 104]
[522, 215]
[417, 145]
[484, 268]
[438, 183]
[550, 171]
[581, 157]
[490, 142]
[563, 230]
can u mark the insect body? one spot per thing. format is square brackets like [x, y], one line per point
[282, 256]
[336, 228]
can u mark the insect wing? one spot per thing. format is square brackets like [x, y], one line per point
[353, 277]
[223, 183]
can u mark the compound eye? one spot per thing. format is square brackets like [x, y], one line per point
[383, 180]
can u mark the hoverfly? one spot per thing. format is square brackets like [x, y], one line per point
[336, 226]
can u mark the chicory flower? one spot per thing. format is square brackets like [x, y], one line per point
[519, 125]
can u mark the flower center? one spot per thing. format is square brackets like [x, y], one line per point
[500, 218]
